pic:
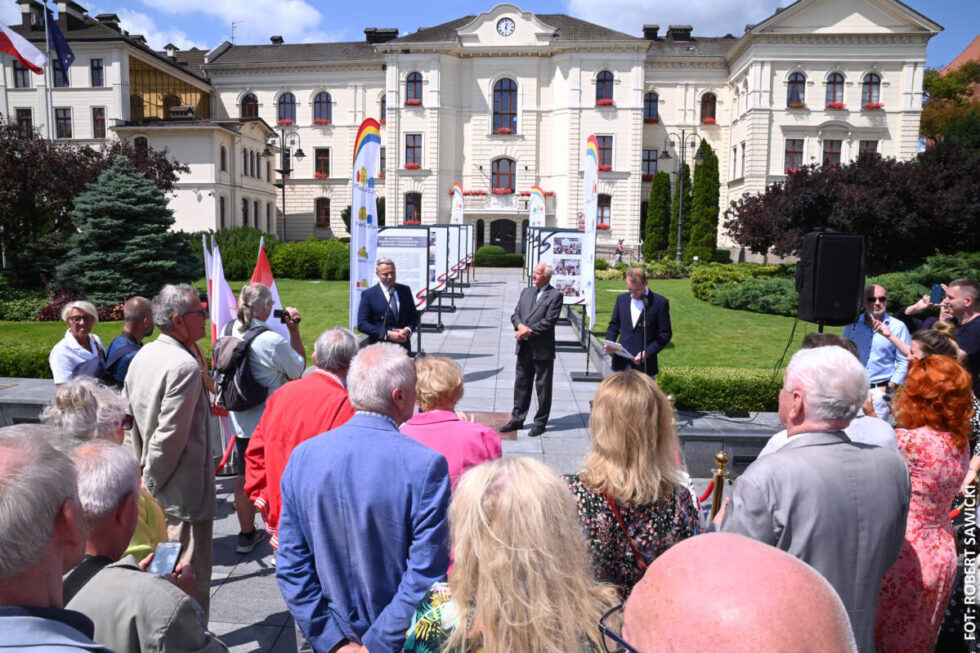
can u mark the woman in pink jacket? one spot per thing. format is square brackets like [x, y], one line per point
[463, 443]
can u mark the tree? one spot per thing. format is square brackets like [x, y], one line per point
[704, 206]
[950, 104]
[345, 214]
[658, 218]
[907, 210]
[123, 245]
[676, 207]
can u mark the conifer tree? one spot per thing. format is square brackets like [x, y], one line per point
[703, 213]
[123, 245]
[675, 207]
[658, 218]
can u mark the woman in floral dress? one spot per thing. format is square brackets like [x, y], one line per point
[633, 502]
[933, 411]
[521, 579]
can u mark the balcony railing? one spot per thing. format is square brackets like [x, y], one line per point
[504, 203]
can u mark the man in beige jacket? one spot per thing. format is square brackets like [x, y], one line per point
[171, 428]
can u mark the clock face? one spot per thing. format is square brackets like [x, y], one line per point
[505, 26]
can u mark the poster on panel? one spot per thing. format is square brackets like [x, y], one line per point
[408, 247]
[562, 250]
[438, 258]
[364, 213]
[456, 208]
[590, 196]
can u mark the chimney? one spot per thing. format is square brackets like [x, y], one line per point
[276, 40]
[139, 38]
[679, 32]
[382, 35]
[71, 15]
[650, 32]
[171, 50]
[109, 20]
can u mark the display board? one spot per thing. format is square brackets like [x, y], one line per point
[470, 240]
[562, 249]
[438, 258]
[409, 248]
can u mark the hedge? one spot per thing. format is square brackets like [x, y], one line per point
[706, 278]
[498, 260]
[771, 296]
[26, 361]
[720, 388]
[312, 259]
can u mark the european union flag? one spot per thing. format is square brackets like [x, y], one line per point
[57, 42]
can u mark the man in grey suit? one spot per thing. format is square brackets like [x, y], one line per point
[839, 506]
[534, 323]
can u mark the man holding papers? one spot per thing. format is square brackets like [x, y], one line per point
[641, 323]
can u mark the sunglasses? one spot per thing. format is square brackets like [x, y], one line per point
[871, 300]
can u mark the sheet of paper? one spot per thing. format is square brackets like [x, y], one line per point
[619, 349]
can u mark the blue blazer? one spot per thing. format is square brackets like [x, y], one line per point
[373, 308]
[363, 533]
[631, 336]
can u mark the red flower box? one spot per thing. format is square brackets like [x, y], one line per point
[321, 175]
[549, 193]
[413, 222]
[503, 191]
[651, 121]
[601, 225]
[836, 106]
[605, 168]
[504, 131]
[414, 102]
[796, 105]
[605, 102]
[790, 171]
[285, 122]
[708, 121]
[413, 166]
[474, 192]
[321, 121]
[874, 105]
[647, 177]
[525, 193]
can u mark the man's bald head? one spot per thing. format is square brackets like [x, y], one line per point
[138, 317]
[756, 598]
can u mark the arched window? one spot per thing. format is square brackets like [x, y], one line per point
[604, 211]
[268, 218]
[651, 107]
[287, 109]
[250, 106]
[251, 164]
[244, 212]
[708, 105]
[222, 212]
[413, 208]
[384, 108]
[604, 87]
[835, 90]
[871, 91]
[255, 214]
[322, 109]
[245, 162]
[505, 107]
[224, 159]
[796, 91]
[413, 88]
[504, 173]
[322, 211]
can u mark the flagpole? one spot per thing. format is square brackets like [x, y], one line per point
[49, 75]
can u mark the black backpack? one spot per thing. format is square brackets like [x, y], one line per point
[237, 388]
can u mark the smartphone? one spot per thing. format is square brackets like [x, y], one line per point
[936, 294]
[164, 558]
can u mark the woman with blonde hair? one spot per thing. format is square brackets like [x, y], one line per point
[439, 386]
[521, 581]
[633, 501]
[85, 409]
[80, 352]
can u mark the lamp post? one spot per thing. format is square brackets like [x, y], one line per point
[286, 143]
[671, 140]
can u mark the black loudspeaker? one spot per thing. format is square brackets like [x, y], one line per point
[830, 277]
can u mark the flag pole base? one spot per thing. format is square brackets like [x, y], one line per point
[586, 377]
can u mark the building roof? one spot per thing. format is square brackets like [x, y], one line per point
[296, 53]
[566, 27]
[970, 53]
[698, 46]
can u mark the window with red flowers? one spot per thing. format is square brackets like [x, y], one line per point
[649, 164]
[250, 106]
[793, 159]
[286, 109]
[413, 88]
[321, 162]
[505, 106]
[504, 173]
[604, 214]
[413, 208]
[321, 208]
[604, 87]
[831, 153]
[796, 91]
[871, 91]
[413, 150]
[708, 106]
[835, 89]
[322, 109]
[651, 107]
[605, 152]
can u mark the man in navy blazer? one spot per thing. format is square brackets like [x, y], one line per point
[363, 532]
[387, 310]
[627, 324]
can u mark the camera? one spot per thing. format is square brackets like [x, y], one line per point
[284, 316]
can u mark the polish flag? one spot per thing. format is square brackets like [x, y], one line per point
[222, 305]
[17, 46]
[263, 275]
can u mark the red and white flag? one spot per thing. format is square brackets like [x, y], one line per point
[263, 275]
[17, 46]
[222, 305]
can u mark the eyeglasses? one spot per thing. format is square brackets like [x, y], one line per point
[203, 313]
[80, 318]
[872, 300]
[611, 628]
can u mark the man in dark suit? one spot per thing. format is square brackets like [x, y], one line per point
[632, 309]
[387, 310]
[534, 322]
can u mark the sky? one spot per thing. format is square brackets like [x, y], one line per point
[206, 23]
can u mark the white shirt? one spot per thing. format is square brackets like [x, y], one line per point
[67, 354]
[865, 429]
[636, 309]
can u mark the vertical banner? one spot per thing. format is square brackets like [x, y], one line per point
[363, 213]
[456, 216]
[590, 188]
[536, 207]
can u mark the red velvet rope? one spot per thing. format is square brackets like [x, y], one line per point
[707, 493]
[224, 459]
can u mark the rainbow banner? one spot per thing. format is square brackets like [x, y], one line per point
[536, 207]
[363, 213]
[456, 214]
[590, 196]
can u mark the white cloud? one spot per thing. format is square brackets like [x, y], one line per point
[297, 21]
[708, 17]
[135, 22]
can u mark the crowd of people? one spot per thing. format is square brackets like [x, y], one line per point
[397, 525]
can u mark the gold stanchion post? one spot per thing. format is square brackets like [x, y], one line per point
[719, 476]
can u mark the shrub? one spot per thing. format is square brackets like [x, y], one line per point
[601, 264]
[668, 268]
[311, 259]
[25, 361]
[775, 296]
[491, 249]
[498, 260]
[610, 274]
[705, 278]
[720, 388]
[905, 288]
[20, 305]
[239, 249]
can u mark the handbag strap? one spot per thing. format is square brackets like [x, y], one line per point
[640, 558]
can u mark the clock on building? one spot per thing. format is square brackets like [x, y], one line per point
[505, 26]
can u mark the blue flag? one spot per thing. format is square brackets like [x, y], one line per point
[57, 42]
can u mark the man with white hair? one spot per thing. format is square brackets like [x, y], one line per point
[171, 432]
[840, 506]
[132, 610]
[42, 536]
[363, 531]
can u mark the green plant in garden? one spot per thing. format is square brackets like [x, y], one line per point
[703, 215]
[655, 241]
